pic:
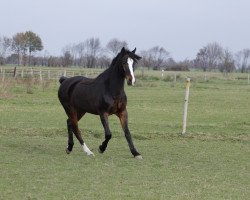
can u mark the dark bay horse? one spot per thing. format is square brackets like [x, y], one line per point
[103, 96]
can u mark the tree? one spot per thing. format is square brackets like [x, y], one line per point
[114, 46]
[33, 43]
[18, 46]
[92, 48]
[243, 60]
[67, 59]
[228, 63]
[155, 57]
[209, 57]
[5, 44]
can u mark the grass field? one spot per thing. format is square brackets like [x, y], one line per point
[211, 162]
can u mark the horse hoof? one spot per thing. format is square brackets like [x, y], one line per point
[138, 157]
[91, 154]
[100, 151]
[68, 151]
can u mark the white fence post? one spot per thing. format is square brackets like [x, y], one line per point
[31, 72]
[40, 74]
[185, 106]
[174, 79]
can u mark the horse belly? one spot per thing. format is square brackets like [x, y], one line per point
[85, 102]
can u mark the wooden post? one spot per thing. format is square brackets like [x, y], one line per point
[49, 74]
[3, 75]
[248, 79]
[184, 125]
[22, 73]
[14, 73]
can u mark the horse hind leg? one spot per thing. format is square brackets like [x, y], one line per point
[70, 128]
[74, 120]
[70, 137]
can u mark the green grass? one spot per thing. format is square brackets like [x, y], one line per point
[210, 162]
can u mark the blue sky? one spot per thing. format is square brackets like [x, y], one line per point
[180, 26]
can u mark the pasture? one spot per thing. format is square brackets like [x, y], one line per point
[210, 162]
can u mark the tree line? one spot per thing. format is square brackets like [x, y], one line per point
[23, 48]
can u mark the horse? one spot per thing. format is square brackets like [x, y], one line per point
[103, 96]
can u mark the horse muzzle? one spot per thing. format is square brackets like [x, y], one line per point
[130, 81]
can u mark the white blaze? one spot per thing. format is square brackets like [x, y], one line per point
[130, 65]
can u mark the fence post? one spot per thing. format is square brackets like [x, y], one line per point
[248, 79]
[3, 75]
[49, 74]
[174, 79]
[40, 74]
[14, 73]
[31, 72]
[184, 125]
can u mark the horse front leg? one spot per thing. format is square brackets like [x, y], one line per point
[108, 134]
[123, 116]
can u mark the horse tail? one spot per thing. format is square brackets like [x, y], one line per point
[63, 78]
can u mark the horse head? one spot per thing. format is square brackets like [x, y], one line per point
[129, 58]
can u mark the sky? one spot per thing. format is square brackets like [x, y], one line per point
[182, 27]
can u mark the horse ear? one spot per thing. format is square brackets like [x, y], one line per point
[134, 50]
[122, 50]
[138, 57]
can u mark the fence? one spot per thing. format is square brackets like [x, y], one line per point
[45, 73]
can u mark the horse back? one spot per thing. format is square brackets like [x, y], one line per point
[67, 87]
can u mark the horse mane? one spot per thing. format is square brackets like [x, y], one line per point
[115, 60]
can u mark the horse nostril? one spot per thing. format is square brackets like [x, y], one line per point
[129, 82]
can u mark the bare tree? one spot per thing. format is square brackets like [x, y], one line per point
[92, 48]
[114, 46]
[228, 63]
[243, 60]
[67, 59]
[209, 57]
[5, 44]
[155, 57]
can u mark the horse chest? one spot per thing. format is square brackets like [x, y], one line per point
[114, 105]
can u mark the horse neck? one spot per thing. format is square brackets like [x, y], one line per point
[116, 80]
